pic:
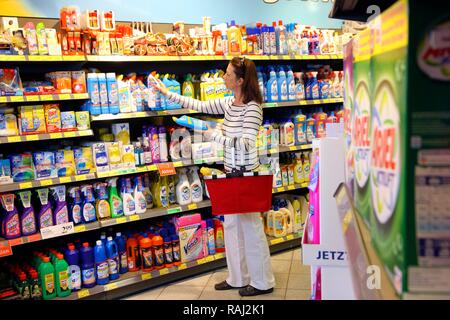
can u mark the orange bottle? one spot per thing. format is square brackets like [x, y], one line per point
[133, 254]
[159, 251]
[146, 254]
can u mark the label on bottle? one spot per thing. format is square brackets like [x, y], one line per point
[117, 206]
[13, 226]
[76, 214]
[62, 216]
[74, 277]
[123, 260]
[102, 270]
[88, 276]
[159, 255]
[49, 283]
[196, 192]
[46, 219]
[113, 266]
[29, 223]
[168, 252]
[163, 197]
[103, 209]
[63, 280]
[147, 258]
[176, 251]
[89, 212]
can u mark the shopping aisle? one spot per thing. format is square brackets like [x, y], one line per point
[292, 283]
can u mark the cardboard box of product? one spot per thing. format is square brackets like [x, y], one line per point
[406, 197]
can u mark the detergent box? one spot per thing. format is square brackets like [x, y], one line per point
[190, 233]
[22, 167]
[68, 121]
[52, 117]
[84, 162]
[82, 119]
[121, 132]
[408, 178]
[65, 163]
[44, 165]
[32, 119]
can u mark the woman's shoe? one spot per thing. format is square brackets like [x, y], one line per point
[252, 291]
[225, 286]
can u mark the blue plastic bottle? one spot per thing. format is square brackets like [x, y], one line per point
[272, 86]
[290, 84]
[75, 203]
[165, 103]
[113, 94]
[102, 86]
[94, 94]
[112, 254]
[88, 205]
[101, 263]
[300, 129]
[261, 83]
[122, 248]
[266, 39]
[273, 42]
[314, 86]
[310, 128]
[87, 266]
[282, 85]
[72, 257]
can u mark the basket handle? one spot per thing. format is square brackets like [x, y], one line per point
[234, 171]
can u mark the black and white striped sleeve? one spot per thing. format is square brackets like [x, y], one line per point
[216, 106]
[252, 120]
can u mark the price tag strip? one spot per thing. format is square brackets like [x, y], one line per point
[57, 231]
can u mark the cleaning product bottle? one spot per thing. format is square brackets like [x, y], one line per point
[171, 190]
[321, 123]
[27, 218]
[60, 212]
[272, 36]
[297, 221]
[185, 145]
[288, 133]
[307, 77]
[210, 237]
[218, 236]
[139, 197]
[146, 253]
[261, 83]
[88, 207]
[272, 86]
[115, 202]
[268, 133]
[45, 216]
[75, 205]
[62, 276]
[298, 169]
[36, 290]
[157, 246]
[300, 129]
[234, 39]
[94, 94]
[122, 251]
[163, 153]
[133, 256]
[196, 185]
[310, 129]
[112, 255]
[103, 91]
[160, 192]
[154, 144]
[314, 86]
[282, 85]
[332, 118]
[306, 167]
[102, 205]
[113, 95]
[147, 192]
[204, 238]
[72, 257]
[88, 274]
[176, 250]
[47, 278]
[10, 222]
[313, 231]
[168, 253]
[126, 192]
[188, 87]
[290, 84]
[280, 36]
[299, 86]
[101, 264]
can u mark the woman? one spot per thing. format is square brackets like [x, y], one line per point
[248, 256]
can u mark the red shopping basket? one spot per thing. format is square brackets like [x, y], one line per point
[240, 192]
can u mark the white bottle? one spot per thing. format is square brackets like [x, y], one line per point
[139, 196]
[163, 153]
[129, 205]
[196, 185]
[183, 188]
[185, 145]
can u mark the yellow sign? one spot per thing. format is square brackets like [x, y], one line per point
[146, 276]
[80, 228]
[83, 293]
[110, 286]
[25, 185]
[14, 139]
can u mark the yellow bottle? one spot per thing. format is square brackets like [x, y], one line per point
[306, 167]
[279, 224]
[270, 226]
[298, 169]
[234, 39]
[297, 223]
[188, 87]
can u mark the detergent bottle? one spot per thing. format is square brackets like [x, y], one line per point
[171, 190]
[176, 249]
[72, 257]
[306, 167]
[102, 205]
[139, 197]
[88, 275]
[158, 250]
[321, 122]
[154, 144]
[282, 85]
[218, 236]
[147, 192]
[126, 193]
[183, 188]
[280, 36]
[290, 84]
[45, 215]
[196, 185]
[299, 87]
[133, 255]
[300, 129]
[60, 211]
[188, 87]
[122, 251]
[10, 221]
[168, 252]
[272, 86]
[234, 39]
[288, 133]
[298, 169]
[62, 276]
[268, 133]
[75, 205]
[210, 235]
[332, 118]
[163, 152]
[27, 218]
[314, 86]
[115, 202]
[112, 255]
[160, 192]
[310, 129]
[47, 278]
[101, 263]
[307, 78]
[146, 253]
[88, 208]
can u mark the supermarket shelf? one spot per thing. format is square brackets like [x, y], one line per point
[302, 103]
[142, 114]
[209, 58]
[14, 58]
[46, 136]
[282, 149]
[45, 97]
[290, 188]
[132, 282]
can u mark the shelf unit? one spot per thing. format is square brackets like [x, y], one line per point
[44, 97]
[132, 282]
[46, 136]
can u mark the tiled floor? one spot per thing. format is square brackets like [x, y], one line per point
[292, 283]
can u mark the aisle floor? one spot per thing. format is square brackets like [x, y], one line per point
[293, 282]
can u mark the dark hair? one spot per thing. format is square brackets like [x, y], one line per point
[245, 68]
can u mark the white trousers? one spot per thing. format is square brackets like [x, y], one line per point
[247, 252]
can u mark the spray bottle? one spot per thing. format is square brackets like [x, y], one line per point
[139, 196]
[27, 218]
[115, 202]
[60, 212]
[147, 192]
[183, 189]
[102, 206]
[88, 207]
[45, 216]
[75, 205]
[196, 185]
[10, 221]
[126, 192]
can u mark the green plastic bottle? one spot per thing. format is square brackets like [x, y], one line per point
[188, 87]
[47, 278]
[62, 276]
[115, 202]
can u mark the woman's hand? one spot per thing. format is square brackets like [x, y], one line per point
[159, 85]
[207, 133]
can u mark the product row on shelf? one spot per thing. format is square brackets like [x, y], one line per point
[94, 32]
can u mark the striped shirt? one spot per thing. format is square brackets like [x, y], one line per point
[239, 131]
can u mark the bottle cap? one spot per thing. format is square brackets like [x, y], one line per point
[99, 242]
[71, 247]
[85, 244]
[59, 256]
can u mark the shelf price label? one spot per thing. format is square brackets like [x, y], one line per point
[291, 187]
[166, 169]
[192, 206]
[276, 241]
[290, 237]
[182, 266]
[14, 139]
[83, 293]
[121, 220]
[174, 210]
[25, 185]
[5, 249]
[110, 286]
[32, 98]
[134, 217]
[46, 97]
[163, 271]
[209, 259]
[57, 231]
[64, 96]
[146, 276]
